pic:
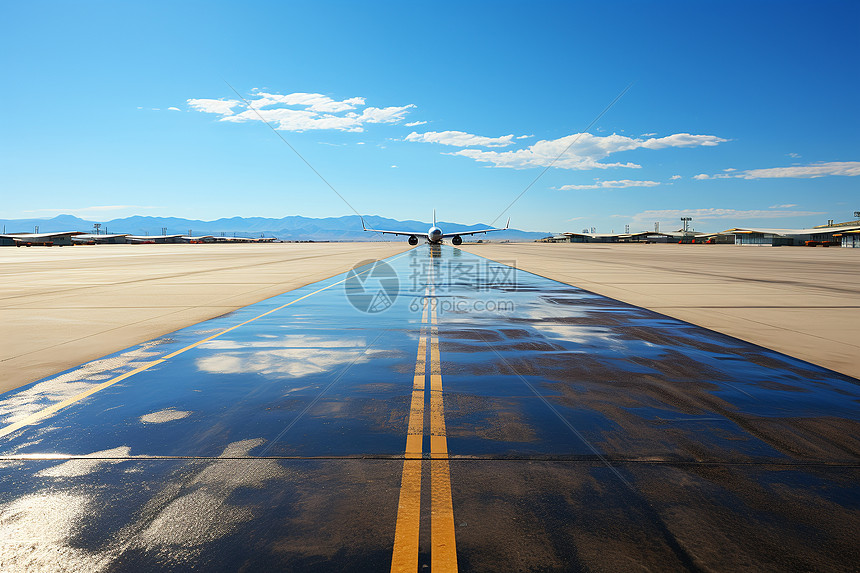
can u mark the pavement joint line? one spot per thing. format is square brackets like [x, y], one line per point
[41, 414]
[397, 457]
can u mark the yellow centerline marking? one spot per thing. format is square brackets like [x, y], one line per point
[53, 409]
[443, 547]
[404, 558]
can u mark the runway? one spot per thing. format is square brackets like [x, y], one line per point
[64, 307]
[800, 301]
[438, 412]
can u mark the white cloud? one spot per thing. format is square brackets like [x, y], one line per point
[680, 140]
[219, 106]
[384, 114]
[648, 134]
[524, 136]
[360, 143]
[302, 111]
[414, 123]
[174, 109]
[846, 168]
[313, 102]
[794, 155]
[394, 167]
[623, 183]
[813, 170]
[786, 206]
[705, 214]
[460, 139]
[730, 169]
[585, 150]
[673, 177]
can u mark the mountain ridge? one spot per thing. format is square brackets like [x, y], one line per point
[291, 227]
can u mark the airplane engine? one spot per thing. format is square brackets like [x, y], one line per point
[457, 240]
[413, 240]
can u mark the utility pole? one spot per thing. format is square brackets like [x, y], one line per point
[686, 222]
[189, 232]
[37, 229]
[626, 229]
[164, 230]
[656, 226]
[97, 226]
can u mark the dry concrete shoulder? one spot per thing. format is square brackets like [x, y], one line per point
[60, 307]
[800, 301]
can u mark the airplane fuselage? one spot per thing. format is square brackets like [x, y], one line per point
[434, 235]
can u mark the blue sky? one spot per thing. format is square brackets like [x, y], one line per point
[740, 113]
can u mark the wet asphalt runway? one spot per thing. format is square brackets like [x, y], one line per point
[461, 414]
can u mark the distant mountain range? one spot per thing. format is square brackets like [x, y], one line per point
[293, 228]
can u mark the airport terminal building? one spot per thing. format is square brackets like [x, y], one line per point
[832, 234]
[829, 235]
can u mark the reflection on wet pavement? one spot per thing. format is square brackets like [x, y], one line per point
[582, 433]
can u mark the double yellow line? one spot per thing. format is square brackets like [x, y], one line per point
[443, 548]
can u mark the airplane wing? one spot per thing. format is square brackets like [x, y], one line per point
[508, 224]
[404, 233]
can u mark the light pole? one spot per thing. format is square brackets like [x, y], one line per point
[686, 221]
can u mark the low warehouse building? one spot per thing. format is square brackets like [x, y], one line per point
[826, 235]
[851, 239]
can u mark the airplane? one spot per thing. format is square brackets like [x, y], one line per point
[435, 235]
